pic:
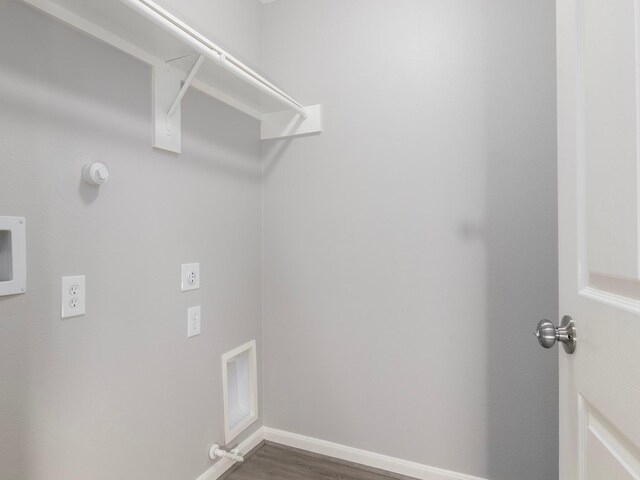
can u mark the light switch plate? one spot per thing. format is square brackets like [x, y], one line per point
[193, 321]
[73, 296]
[190, 276]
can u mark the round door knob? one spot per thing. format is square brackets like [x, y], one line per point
[548, 334]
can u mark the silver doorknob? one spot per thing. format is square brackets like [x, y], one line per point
[548, 334]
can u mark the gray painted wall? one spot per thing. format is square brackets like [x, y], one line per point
[120, 393]
[408, 251]
[411, 248]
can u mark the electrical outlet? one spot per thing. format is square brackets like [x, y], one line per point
[190, 276]
[73, 296]
[193, 321]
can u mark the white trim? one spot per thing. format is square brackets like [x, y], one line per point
[617, 448]
[611, 299]
[362, 457]
[231, 433]
[335, 450]
[224, 464]
[583, 425]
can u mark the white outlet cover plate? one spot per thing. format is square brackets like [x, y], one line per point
[73, 296]
[193, 321]
[190, 276]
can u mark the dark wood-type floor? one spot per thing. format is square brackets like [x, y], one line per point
[276, 462]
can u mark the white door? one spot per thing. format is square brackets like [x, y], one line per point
[599, 227]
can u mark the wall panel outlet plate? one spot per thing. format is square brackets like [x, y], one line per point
[190, 276]
[193, 321]
[13, 256]
[73, 296]
[239, 389]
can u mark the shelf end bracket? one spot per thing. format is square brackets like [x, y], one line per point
[167, 118]
[185, 86]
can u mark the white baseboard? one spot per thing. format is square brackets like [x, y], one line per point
[224, 464]
[363, 457]
[335, 450]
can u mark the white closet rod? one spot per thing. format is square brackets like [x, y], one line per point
[202, 45]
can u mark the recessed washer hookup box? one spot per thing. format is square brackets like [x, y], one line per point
[13, 256]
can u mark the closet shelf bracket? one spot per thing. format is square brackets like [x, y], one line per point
[185, 85]
[169, 89]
